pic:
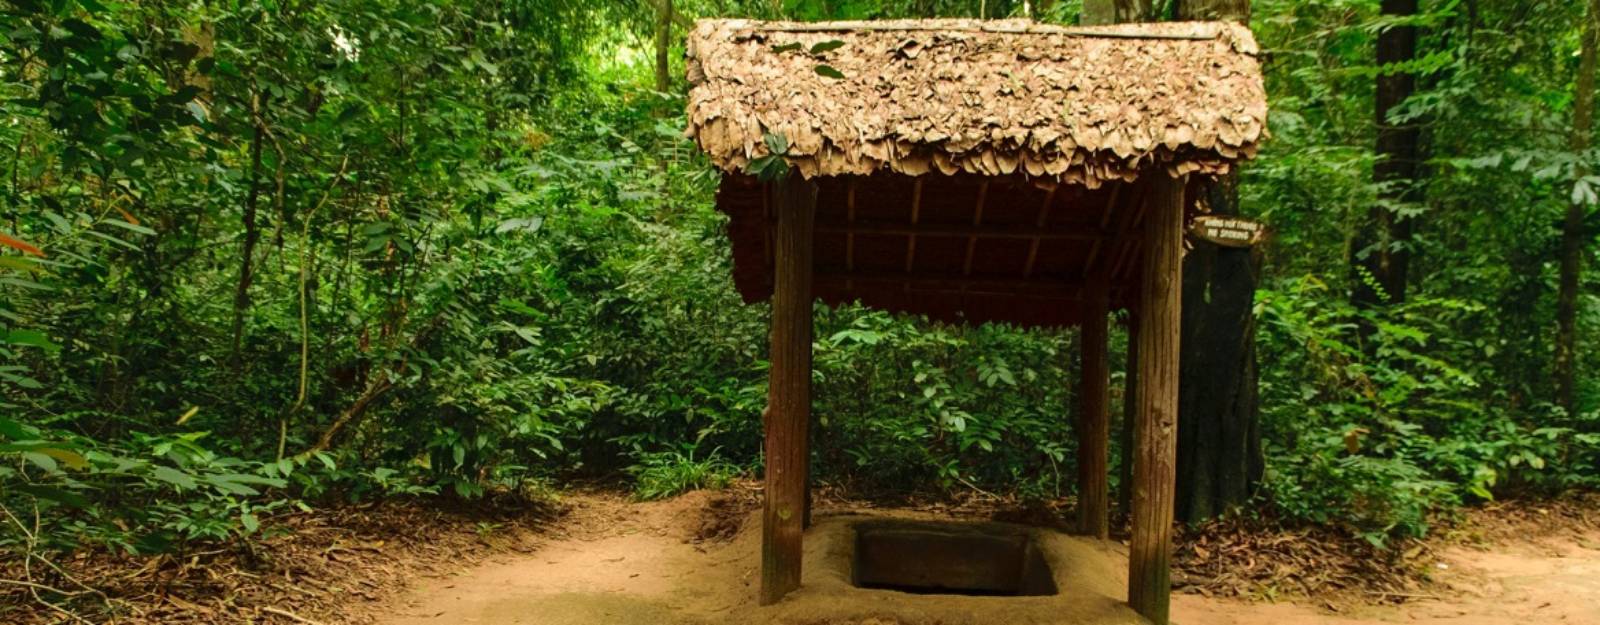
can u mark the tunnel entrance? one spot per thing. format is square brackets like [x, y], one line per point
[949, 559]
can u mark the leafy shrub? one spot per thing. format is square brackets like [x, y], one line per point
[659, 475]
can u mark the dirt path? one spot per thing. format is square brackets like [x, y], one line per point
[616, 562]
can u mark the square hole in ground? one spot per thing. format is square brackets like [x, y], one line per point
[949, 558]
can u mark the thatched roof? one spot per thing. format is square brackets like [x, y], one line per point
[1074, 105]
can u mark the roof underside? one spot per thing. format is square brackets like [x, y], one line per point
[960, 248]
[1079, 105]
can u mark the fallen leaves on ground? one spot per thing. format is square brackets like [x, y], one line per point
[318, 567]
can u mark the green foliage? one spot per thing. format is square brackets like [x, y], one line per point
[264, 255]
[663, 474]
[1385, 434]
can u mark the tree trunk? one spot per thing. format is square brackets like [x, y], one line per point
[252, 233]
[1572, 227]
[1097, 12]
[663, 46]
[1219, 449]
[1382, 246]
[1219, 456]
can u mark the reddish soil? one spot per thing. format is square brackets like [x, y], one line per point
[691, 560]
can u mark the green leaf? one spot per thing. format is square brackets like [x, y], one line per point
[42, 460]
[250, 522]
[776, 143]
[829, 71]
[32, 338]
[788, 47]
[173, 476]
[70, 458]
[128, 226]
[15, 430]
[832, 44]
[50, 493]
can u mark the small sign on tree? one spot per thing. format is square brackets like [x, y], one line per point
[1227, 231]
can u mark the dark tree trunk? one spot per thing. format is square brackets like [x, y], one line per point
[1382, 245]
[663, 46]
[1219, 444]
[1219, 449]
[1572, 234]
[252, 232]
[1097, 12]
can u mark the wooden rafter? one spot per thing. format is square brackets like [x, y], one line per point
[766, 233]
[916, 215]
[1044, 215]
[850, 236]
[1127, 234]
[1105, 221]
[977, 220]
[973, 232]
[952, 281]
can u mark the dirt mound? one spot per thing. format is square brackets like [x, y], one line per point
[724, 515]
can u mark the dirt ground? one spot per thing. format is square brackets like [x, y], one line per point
[692, 560]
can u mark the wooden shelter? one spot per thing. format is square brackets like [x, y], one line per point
[974, 171]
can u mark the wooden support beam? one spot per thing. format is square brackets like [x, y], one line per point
[1044, 216]
[1093, 418]
[1130, 389]
[1156, 418]
[977, 220]
[767, 218]
[1131, 238]
[973, 232]
[955, 282]
[916, 214]
[1105, 221]
[788, 389]
[850, 236]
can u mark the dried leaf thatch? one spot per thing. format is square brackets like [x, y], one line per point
[1080, 105]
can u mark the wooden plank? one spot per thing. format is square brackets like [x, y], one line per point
[1156, 419]
[1130, 240]
[1105, 220]
[977, 220]
[1000, 231]
[1093, 417]
[1053, 296]
[788, 389]
[1130, 388]
[1044, 215]
[766, 218]
[916, 214]
[953, 281]
[850, 236]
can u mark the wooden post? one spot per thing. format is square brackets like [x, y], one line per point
[1130, 389]
[1093, 420]
[788, 388]
[1156, 416]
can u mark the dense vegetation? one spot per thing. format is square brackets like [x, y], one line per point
[261, 255]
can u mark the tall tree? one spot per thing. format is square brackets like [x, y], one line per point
[1572, 228]
[663, 45]
[1382, 246]
[1115, 11]
[1219, 437]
